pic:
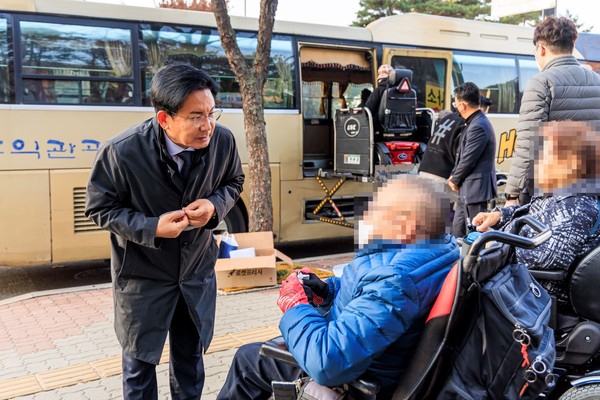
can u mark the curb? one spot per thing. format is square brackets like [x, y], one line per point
[51, 292]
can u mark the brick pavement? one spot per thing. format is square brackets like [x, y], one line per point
[62, 345]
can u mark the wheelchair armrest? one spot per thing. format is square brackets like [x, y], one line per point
[365, 387]
[552, 275]
[277, 348]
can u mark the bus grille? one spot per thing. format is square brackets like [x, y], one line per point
[81, 222]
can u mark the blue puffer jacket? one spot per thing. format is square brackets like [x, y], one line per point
[378, 312]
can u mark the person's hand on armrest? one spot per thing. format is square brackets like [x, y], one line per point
[485, 220]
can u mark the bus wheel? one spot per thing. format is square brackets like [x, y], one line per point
[234, 222]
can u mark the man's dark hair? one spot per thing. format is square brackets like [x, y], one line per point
[469, 93]
[485, 101]
[559, 34]
[174, 82]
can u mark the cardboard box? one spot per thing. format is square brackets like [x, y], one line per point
[252, 271]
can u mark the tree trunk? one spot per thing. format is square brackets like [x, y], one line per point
[261, 206]
[251, 81]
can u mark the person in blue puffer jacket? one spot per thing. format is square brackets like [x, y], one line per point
[368, 322]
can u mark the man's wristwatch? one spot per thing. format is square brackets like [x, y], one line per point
[511, 196]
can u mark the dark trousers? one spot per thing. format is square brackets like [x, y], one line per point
[186, 367]
[251, 374]
[463, 214]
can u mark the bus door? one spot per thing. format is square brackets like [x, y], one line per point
[431, 74]
[331, 78]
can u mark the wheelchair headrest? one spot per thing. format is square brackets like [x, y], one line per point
[397, 74]
[585, 281]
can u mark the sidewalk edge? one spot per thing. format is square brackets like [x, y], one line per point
[51, 292]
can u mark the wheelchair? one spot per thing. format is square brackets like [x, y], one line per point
[443, 335]
[398, 147]
[577, 330]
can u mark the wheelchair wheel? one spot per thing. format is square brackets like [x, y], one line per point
[587, 392]
[381, 157]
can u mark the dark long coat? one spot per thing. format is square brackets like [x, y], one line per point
[475, 169]
[133, 181]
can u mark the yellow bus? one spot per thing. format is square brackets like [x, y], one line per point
[73, 74]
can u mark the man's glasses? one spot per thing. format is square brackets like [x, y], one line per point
[198, 119]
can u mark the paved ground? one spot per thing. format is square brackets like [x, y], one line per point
[61, 344]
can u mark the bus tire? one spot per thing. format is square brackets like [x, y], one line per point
[587, 392]
[234, 222]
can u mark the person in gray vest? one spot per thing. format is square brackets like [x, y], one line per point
[563, 90]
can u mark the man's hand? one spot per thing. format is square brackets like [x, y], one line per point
[171, 224]
[483, 221]
[291, 293]
[452, 185]
[316, 290]
[199, 212]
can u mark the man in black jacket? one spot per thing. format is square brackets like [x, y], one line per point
[474, 175]
[442, 149]
[159, 188]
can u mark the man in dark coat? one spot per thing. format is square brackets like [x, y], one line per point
[474, 175]
[159, 188]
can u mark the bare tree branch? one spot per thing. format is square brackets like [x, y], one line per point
[251, 80]
[265, 33]
[234, 55]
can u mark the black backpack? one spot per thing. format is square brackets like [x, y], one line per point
[508, 352]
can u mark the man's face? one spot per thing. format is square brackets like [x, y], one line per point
[389, 216]
[459, 105]
[191, 126]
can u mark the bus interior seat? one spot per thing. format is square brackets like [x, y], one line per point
[397, 110]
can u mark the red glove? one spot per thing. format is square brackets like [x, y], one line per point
[291, 293]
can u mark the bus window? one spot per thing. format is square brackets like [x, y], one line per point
[4, 77]
[314, 100]
[594, 66]
[75, 64]
[429, 75]
[496, 77]
[527, 69]
[202, 48]
[353, 93]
